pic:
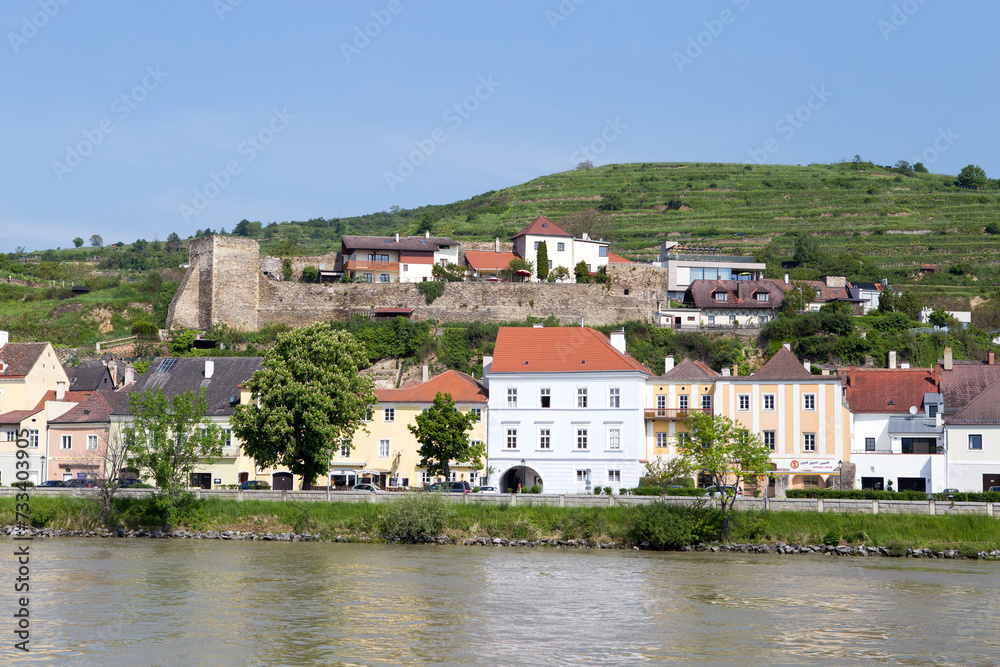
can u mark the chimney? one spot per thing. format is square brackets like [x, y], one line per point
[129, 373]
[725, 372]
[4, 338]
[668, 363]
[892, 360]
[905, 365]
[209, 369]
[741, 290]
[427, 234]
[826, 371]
[397, 237]
[736, 370]
[585, 236]
[949, 360]
[496, 244]
[60, 390]
[992, 359]
[425, 374]
[487, 362]
[618, 340]
[787, 346]
[786, 278]
[806, 365]
[537, 326]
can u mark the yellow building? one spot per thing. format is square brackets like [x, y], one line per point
[387, 454]
[690, 385]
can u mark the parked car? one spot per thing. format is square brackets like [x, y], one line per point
[451, 487]
[52, 482]
[994, 489]
[127, 482]
[716, 491]
[370, 488]
[255, 484]
[81, 483]
[950, 491]
[488, 489]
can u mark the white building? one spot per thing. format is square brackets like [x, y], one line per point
[971, 392]
[561, 248]
[409, 259]
[565, 410]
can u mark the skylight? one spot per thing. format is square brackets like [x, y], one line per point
[166, 365]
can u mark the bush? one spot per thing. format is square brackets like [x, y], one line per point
[144, 329]
[608, 491]
[431, 290]
[597, 490]
[666, 527]
[310, 274]
[416, 514]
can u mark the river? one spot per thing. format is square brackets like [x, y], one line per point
[192, 602]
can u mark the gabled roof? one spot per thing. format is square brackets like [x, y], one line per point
[964, 383]
[690, 370]
[542, 226]
[20, 358]
[462, 387]
[17, 416]
[617, 259]
[558, 350]
[487, 260]
[89, 375]
[701, 294]
[95, 408]
[175, 375]
[984, 409]
[782, 366]
[426, 244]
[888, 391]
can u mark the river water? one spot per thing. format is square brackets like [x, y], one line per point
[188, 602]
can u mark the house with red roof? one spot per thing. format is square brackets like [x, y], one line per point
[566, 409]
[410, 259]
[971, 410]
[78, 439]
[562, 248]
[743, 303]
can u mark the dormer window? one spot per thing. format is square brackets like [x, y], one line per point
[720, 296]
[761, 296]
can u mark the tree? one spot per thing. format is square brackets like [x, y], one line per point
[518, 264]
[426, 224]
[582, 272]
[310, 397]
[310, 274]
[286, 269]
[971, 176]
[807, 251]
[170, 436]
[441, 431]
[558, 273]
[452, 273]
[919, 168]
[542, 261]
[611, 201]
[77, 242]
[586, 164]
[725, 453]
[173, 242]
[246, 228]
[96, 241]
[903, 167]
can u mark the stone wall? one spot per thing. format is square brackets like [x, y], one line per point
[235, 270]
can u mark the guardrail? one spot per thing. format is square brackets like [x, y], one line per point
[836, 505]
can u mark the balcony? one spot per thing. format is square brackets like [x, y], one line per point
[675, 414]
[365, 265]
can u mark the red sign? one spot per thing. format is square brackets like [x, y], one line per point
[794, 465]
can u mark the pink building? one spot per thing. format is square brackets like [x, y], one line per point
[78, 439]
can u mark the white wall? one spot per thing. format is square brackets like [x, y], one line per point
[966, 467]
[893, 466]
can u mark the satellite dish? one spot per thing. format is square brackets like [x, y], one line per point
[913, 410]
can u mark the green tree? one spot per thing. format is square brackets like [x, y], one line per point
[611, 201]
[518, 264]
[426, 224]
[310, 274]
[285, 248]
[96, 241]
[442, 432]
[558, 273]
[919, 168]
[286, 269]
[247, 228]
[168, 437]
[542, 261]
[309, 396]
[971, 176]
[725, 453]
[77, 242]
[807, 251]
[452, 273]
[173, 242]
[582, 272]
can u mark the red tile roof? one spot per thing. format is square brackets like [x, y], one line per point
[984, 409]
[487, 260]
[965, 383]
[20, 358]
[782, 366]
[16, 416]
[701, 294]
[542, 226]
[558, 350]
[690, 370]
[462, 387]
[95, 408]
[617, 259]
[888, 391]
[415, 243]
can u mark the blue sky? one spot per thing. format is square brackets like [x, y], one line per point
[134, 120]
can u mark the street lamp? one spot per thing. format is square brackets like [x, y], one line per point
[840, 475]
[523, 480]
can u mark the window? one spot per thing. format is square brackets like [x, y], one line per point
[662, 439]
[869, 444]
[369, 415]
[544, 438]
[452, 476]
[473, 475]
[581, 397]
[932, 410]
[711, 319]
[33, 437]
[975, 441]
[512, 438]
[91, 442]
[770, 439]
[720, 296]
[614, 397]
[768, 402]
[682, 401]
[511, 397]
[550, 264]
[743, 402]
[425, 478]
[227, 437]
[10, 436]
[602, 251]
[809, 442]
[683, 438]
[367, 278]
[614, 438]
[389, 414]
[383, 449]
[345, 449]
[406, 267]
[443, 262]
[477, 413]
[811, 482]
[581, 438]
[66, 442]
[383, 278]
[536, 245]
[809, 402]
[732, 319]
[581, 476]
[614, 476]
[545, 397]
[706, 402]
[560, 247]
[761, 296]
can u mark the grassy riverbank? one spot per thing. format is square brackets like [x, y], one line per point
[663, 527]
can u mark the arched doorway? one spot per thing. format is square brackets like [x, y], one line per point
[525, 476]
[281, 481]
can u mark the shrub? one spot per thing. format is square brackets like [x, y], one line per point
[597, 490]
[832, 538]
[666, 527]
[416, 514]
[144, 329]
[608, 491]
[431, 290]
[310, 274]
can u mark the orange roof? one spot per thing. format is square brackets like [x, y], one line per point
[542, 226]
[462, 387]
[617, 259]
[558, 350]
[884, 390]
[487, 260]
